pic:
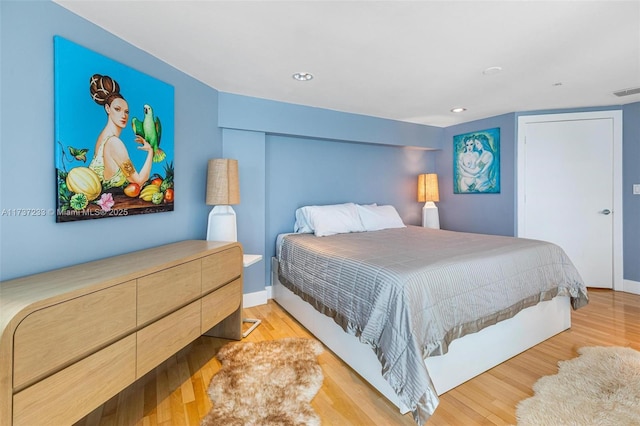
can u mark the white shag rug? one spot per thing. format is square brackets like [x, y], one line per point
[600, 387]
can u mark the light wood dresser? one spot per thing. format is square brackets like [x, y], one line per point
[74, 337]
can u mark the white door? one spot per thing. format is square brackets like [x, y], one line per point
[567, 174]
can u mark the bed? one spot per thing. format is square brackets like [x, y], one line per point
[417, 311]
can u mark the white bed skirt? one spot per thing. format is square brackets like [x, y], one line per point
[468, 356]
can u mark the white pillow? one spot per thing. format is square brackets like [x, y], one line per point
[328, 220]
[302, 225]
[375, 218]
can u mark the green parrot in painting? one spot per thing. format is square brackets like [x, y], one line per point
[79, 154]
[151, 130]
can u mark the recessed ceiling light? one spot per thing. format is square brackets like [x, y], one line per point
[303, 76]
[458, 109]
[491, 70]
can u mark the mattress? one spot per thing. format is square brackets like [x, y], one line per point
[409, 292]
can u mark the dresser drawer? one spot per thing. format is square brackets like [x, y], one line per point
[74, 392]
[220, 304]
[51, 338]
[220, 268]
[163, 338]
[166, 290]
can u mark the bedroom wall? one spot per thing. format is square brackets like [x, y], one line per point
[30, 244]
[341, 172]
[479, 213]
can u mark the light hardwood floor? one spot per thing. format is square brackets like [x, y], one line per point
[175, 393]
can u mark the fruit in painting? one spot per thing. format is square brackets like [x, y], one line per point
[147, 192]
[79, 201]
[132, 190]
[157, 198]
[168, 195]
[168, 178]
[83, 180]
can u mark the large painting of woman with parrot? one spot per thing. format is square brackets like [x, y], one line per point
[114, 137]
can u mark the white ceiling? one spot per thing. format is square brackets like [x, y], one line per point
[404, 60]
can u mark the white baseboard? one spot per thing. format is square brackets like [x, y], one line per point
[254, 299]
[631, 286]
[257, 298]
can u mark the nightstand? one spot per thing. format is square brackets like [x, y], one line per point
[250, 259]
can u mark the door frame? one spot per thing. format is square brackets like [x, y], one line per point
[616, 116]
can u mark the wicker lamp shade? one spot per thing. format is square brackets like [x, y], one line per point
[223, 186]
[428, 188]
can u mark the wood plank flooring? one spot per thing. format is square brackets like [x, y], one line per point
[175, 392]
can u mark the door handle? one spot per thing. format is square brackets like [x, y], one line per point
[606, 212]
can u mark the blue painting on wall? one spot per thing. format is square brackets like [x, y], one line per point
[476, 162]
[113, 137]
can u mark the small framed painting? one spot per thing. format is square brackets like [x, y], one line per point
[113, 137]
[476, 162]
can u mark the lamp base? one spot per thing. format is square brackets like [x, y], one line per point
[430, 216]
[222, 224]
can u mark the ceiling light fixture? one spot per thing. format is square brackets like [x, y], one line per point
[491, 70]
[458, 109]
[303, 76]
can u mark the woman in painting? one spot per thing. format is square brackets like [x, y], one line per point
[467, 166]
[486, 168]
[111, 160]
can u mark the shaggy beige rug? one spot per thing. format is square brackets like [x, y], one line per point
[600, 387]
[266, 383]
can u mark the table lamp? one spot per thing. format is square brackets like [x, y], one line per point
[223, 190]
[428, 193]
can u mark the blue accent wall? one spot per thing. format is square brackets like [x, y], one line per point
[289, 156]
[336, 172]
[248, 148]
